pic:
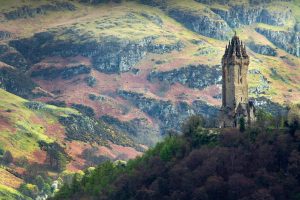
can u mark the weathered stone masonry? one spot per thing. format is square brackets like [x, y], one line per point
[235, 102]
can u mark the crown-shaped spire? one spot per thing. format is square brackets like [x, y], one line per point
[235, 48]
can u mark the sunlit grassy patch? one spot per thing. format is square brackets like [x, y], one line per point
[8, 193]
[25, 127]
[9, 179]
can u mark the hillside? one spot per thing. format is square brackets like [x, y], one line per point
[29, 129]
[90, 80]
[143, 66]
[210, 164]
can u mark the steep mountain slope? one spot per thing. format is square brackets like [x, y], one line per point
[90, 52]
[97, 54]
[28, 128]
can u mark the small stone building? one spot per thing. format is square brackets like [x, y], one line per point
[235, 102]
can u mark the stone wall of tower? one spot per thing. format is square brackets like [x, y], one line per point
[235, 103]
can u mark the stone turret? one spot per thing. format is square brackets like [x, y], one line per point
[235, 102]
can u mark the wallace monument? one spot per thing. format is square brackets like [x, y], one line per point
[235, 102]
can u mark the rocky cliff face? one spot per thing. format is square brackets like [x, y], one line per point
[138, 129]
[213, 27]
[168, 115]
[238, 15]
[226, 2]
[65, 73]
[264, 85]
[271, 107]
[246, 15]
[160, 3]
[262, 49]
[153, 18]
[286, 40]
[12, 57]
[95, 2]
[16, 82]
[26, 11]
[191, 76]
[84, 128]
[275, 17]
[5, 35]
[109, 54]
[223, 2]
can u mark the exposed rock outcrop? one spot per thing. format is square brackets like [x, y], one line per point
[238, 15]
[153, 18]
[286, 40]
[262, 49]
[138, 129]
[297, 27]
[246, 15]
[35, 105]
[256, 2]
[159, 3]
[275, 17]
[11, 57]
[5, 35]
[83, 128]
[210, 26]
[66, 73]
[109, 54]
[16, 82]
[223, 2]
[270, 106]
[199, 76]
[95, 2]
[168, 115]
[264, 85]
[26, 11]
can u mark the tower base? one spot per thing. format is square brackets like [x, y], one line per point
[230, 118]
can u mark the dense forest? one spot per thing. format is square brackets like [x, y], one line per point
[257, 163]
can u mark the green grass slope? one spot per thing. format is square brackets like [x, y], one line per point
[22, 127]
[25, 125]
[7, 193]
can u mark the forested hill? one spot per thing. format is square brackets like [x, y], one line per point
[202, 164]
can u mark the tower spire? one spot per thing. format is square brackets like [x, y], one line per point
[235, 63]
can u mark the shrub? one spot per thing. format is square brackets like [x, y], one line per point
[263, 119]
[84, 109]
[57, 103]
[192, 124]
[29, 190]
[22, 161]
[172, 147]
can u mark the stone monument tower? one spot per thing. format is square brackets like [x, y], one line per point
[235, 102]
